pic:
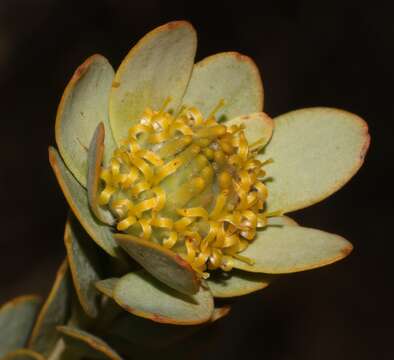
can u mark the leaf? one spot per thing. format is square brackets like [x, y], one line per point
[142, 295]
[157, 67]
[227, 76]
[95, 159]
[162, 263]
[142, 332]
[107, 286]
[236, 283]
[77, 199]
[281, 220]
[87, 344]
[315, 152]
[288, 249]
[18, 317]
[54, 312]
[23, 354]
[84, 104]
[258, 128]
[84, 264]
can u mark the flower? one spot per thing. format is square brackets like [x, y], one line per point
[178, 166]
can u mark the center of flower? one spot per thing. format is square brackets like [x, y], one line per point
[189, 183]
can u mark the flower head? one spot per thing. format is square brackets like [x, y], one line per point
[177, 165]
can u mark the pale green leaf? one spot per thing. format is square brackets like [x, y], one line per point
[83, 105]
[162, 263]
[140, 331]
[107, 286]
[288, 249]
[157, 67]
[227, 76]
[141, 294]
[95, 159]
[77, 199]
[85, 265]
[281, 220]
[55, 311]
[236, 283]
[315, 152]
[258, 128]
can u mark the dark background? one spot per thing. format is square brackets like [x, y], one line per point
[334, 53]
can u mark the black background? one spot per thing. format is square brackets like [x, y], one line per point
[310, 53]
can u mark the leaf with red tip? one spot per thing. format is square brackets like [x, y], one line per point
[18, 317]
[157, 67]
[85, 265]
[315, 152]
[54, 312]
[23, 354]
[288, 249]
[236, 283]
[95, 159]
[77, 199]
[87, 345]
[162, 263]
[258, 128]
[83, 105]
[228, 76]
[141, 294]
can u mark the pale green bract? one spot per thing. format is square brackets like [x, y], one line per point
[109, 296]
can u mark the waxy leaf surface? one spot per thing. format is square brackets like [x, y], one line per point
[228, 76]
[17, 318]
[85, 265]
[287, 249]
[95, 160]
[315, 152]
[143, 295]
[157, 67]
[162, 263]
[258, 128]
[236, 283]
[87, 345]
[77, 199]
[83, 105]
[54, 312]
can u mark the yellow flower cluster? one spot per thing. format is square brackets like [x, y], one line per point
[190, 184]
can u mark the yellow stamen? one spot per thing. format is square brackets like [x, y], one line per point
[173, 147]
[167, 170]
[165, 104]
[216, 109]
[137, 130]
[146, 228]
[151, 157]
[144, 206]
[244, 259]
[193, 212]
[171, 240]
[142, 166]
[160, 198]
[162, 222]
[211, 132]
[126, 223]
[183, 223]
[182, 128]
[220, 203]
[140, 187]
